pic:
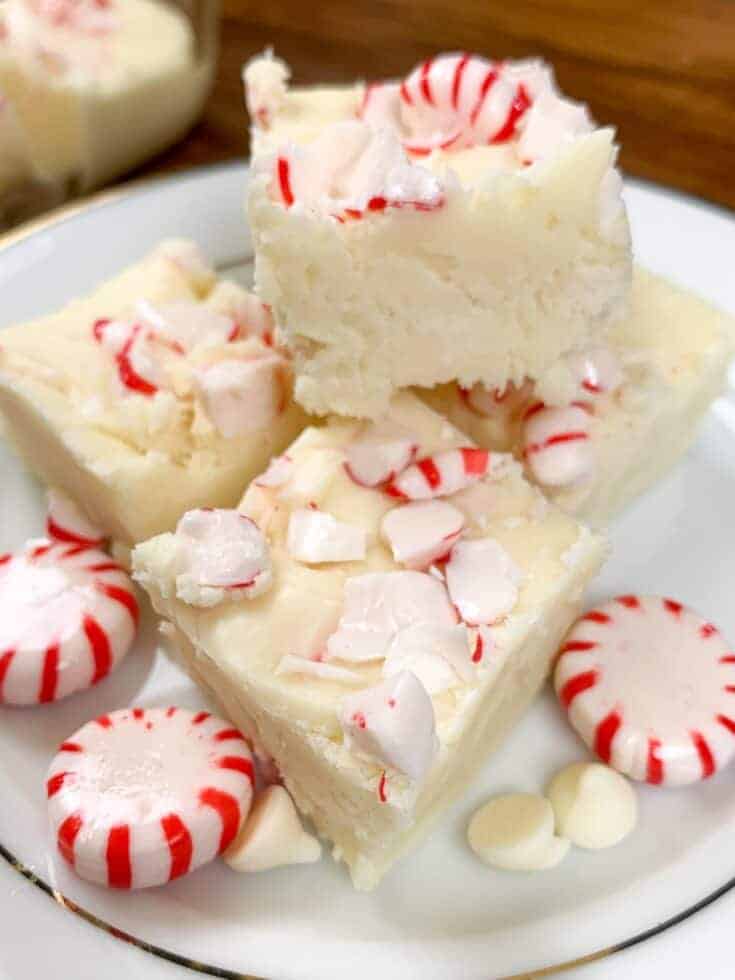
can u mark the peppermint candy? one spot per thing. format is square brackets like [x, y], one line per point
[141, 796]
[68, 616]
[459, 100]
[649, 685]
[440, 475]
[556, 444]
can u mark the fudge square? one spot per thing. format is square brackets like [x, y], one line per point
[464, 223]
[157, 393]
[401, 611]
[631, 411]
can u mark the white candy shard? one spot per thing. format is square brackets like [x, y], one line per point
[556, 445]
[272, 836]
[379, 605]
[144, 795]
[302, 667]
[439, 656]
[65, 521]
[280, 470]
[594, 806]
[420, 533]
[393, 723]
[552, 123]
[596, 371]
[648, 684]
[516, 832]
[315, 537]
[188, 324]
[265, 80]
[219, 554]
[242, 396]
[482, 580]
[379, 455]
[440, 475]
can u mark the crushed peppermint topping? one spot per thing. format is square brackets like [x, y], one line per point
[422, 532]
[379, 605]
[440, 475]
[315, 537]
[482, 580]
[393, 724]
[351, 170]
[219, 554]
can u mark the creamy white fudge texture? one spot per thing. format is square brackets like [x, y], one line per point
[275, 663]
[672, 354]
[129, 422]
[388, 269]
[98, 88]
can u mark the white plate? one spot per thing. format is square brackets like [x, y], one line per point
[440, 913]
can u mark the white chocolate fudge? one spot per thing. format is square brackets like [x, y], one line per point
[633, 411]
[379, 685]
[98, 87]
[157, 393]
[464, 224]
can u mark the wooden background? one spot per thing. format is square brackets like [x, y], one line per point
[662, 71]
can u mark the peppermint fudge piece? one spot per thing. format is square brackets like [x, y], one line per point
[464, 223]
[419, 589]
[159, 392]
[633, 410]
[99, 85]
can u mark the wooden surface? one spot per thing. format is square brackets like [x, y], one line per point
[662, 71]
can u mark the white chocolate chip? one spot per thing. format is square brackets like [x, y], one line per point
[516, 832]
[272, 836]
[594, 806]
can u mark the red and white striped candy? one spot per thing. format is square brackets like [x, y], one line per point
[440, 475]
[420, 533]
[459, 100]
[650, 687]
[141, 796]
[68, 615]
[66, 523]
[556, 444]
